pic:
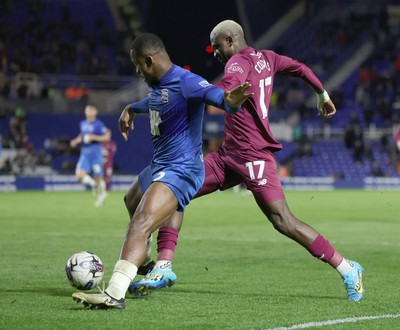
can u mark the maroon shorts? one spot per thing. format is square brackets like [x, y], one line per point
[255, 168]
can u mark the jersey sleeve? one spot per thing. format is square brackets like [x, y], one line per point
[288, 66]
[102, 129]
[196, 88]
[141, 106]
[236, 72]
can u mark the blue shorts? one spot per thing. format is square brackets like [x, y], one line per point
[91, 164]
[184, 180]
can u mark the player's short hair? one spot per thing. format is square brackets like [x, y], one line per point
[227, 27]
[92, 105]
[147, 44]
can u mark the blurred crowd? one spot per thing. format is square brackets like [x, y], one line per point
[18, 156]
[67, 46]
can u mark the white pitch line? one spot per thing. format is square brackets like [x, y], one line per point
[337, 321]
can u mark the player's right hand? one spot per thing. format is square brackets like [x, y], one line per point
[125, 122]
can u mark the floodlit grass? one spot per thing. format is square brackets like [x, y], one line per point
[234, 270]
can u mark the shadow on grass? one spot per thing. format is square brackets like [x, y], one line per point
[57, 292]
[238, 294]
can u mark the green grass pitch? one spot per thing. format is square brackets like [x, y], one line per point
[234, 270]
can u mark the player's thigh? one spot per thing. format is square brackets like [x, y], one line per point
[217, 176]
[82, 166]
[97, 166]
[259, 172]
[133, 196]
[156, 206]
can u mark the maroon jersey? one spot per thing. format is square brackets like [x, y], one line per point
[397, 135]
[249, 128]
[108, 150]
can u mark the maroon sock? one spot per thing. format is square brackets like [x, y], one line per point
[166, 242]
[323, 250]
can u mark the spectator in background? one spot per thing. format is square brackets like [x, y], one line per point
[349, 136]
[77, 97]
[376, 169]
[108, 149]
[3, 59]
[358, 152]
[18, 134]
[77, 93]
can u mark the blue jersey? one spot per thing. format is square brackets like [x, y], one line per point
[176, 109]
[95, 127]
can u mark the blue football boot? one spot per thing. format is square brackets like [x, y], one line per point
[155, 280]
[353, 282]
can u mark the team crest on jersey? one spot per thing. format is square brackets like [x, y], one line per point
[235, 67]
[204, 83]
[164, 95]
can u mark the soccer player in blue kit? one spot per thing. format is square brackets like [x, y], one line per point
[175, 104]
[92, 133]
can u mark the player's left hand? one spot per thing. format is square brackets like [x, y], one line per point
[237, 96]
[125, 122]
[327, 110]
[325, 105]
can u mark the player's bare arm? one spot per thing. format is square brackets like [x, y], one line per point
[99, 138]
[237, 96]
[74, 142]
[125, 121]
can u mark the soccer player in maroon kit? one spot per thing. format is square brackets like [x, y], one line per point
[247, 155]
[108, 149]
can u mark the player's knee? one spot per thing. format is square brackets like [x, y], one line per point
[142, 222]
[284, 222]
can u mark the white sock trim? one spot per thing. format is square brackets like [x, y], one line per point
[344, 267]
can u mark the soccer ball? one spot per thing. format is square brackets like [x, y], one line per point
[84, 270]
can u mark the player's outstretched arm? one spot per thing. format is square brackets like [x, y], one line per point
[237, 96]
[125, 121]
[99, 138]
[74, 142]
[325, 105]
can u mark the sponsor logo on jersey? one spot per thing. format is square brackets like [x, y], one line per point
[262, 182]
[204, 83]
[261, 65]
[234, 67]
[160, 176]
[164, 95]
